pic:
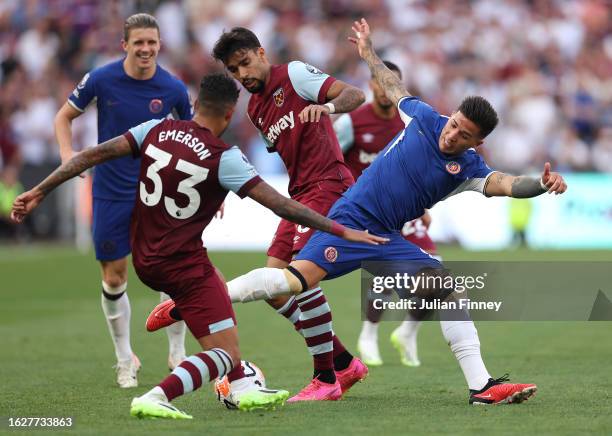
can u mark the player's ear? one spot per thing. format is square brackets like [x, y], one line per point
[124, 45]
[261, 53]
[229, 114]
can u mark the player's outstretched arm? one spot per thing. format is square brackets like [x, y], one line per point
[111, 149]
[293, 211]
[504, 185]
[387, 79]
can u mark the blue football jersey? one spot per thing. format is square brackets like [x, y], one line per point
[412, 174]
[124, 102]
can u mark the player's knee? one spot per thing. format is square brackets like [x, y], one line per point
[114, 281]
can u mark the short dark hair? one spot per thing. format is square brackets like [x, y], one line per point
[392, 67]
[139, 21]
[236, 39]
[218, 93]
[479, 111]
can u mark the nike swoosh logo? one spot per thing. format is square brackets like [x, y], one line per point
[486, 396]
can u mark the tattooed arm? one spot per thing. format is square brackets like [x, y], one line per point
[293, 211]
[504, 185]
[387, 79]
[111, 149]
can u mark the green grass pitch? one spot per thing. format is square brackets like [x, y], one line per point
[56, 359]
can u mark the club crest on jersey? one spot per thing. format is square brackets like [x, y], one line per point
[156, 105]
[453, 167]
[279, 97]
[331, 254]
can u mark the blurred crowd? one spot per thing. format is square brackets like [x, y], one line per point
[546, 65]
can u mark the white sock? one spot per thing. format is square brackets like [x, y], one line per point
[464, 343]
[409, 328]
[369, 331]
[175, 332]
[259, 284]
[118, 315]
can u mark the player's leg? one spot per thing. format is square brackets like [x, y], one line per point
[117, 311]
[404, 338]
[288, 306]
[367, 343]
[112, 246]
[461, 335]
[289, 240]
[176, 338]
[205, 307]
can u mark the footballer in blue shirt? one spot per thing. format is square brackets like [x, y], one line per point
[433, 158]
[126, 92]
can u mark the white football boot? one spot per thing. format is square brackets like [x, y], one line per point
[127, 371]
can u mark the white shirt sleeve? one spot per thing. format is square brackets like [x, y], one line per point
[306, 80]
[343, 126]
[235, 170]
[140, 131]
[477, 184]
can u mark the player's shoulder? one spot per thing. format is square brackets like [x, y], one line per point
[169, 78]
[110, 69]
[298, 70]
[472, 159]
[297, 64]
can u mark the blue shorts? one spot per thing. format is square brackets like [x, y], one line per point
[339, 257]
[111, 228]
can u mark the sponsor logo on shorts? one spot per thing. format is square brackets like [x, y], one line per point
[331, 254]
[453, 167]
[156, 105]
[279, 97]
[302, 229]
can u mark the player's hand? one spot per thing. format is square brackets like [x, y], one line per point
[221, 212]
[363, 236]
[25, 203]
[67, 157]
[362, 36]
[313, 112]
[553, 181]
